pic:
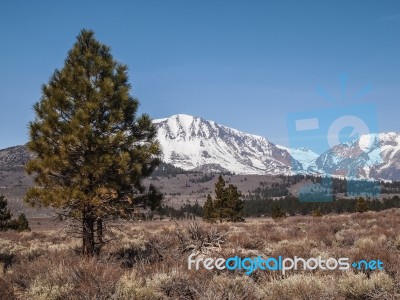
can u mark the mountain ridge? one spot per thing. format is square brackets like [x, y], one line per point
[196, 144]
[373, 156]
[192, 142]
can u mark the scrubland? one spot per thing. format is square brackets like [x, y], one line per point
[148, 260]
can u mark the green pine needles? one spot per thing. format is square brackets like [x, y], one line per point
[19, 224]
[92, 150]
[5, 213]
[227, 204]
[362, 205]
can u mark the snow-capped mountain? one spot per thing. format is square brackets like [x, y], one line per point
[371, 156]
[194, 143]
[304, 156]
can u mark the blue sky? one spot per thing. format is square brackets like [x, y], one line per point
[244, 64]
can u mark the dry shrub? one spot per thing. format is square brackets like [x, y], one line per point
[298, 230]
[25, 271]
[365, 243]
[200, 239]
[95, 279]
[359, 286]
[6, 290]
[374, 249]
[291, 248]
[229, 288]
[277, 233]
[299, 287]
[367, 248]
[6, 260]
[225, 227]
[252, 243]
[176, 286]
[66, 273]
[52, 285]
[10, 247]
[346, 237]
[129, 256]
[172, 285]
[29, 247]
[323, 231]
[133, 286]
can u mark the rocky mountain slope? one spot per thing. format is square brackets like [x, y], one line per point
[193, 143]
[304, 156]
[374, 156]
[14, 158]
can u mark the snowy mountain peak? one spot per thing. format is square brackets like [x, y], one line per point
[194, 143]
[304, 156]
[370, 156]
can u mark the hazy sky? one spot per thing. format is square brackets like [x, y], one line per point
[245, 64]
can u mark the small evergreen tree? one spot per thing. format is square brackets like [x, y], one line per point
[361, 205]
[220, 199]
[316, 213]
[5, 214]
[23, 223]
[6, 222]
[20, 224]
[277, 213]
[235, 204]
[208, 210]
[227, 204]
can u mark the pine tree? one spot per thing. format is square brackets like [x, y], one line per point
[23, 223]
[361, 205]
[277, 213]
[208, 210]
[5, 214]
[234, 203]
[227, 205]
[316, 213]
[92, 150]
[20, 224]
[220, 203]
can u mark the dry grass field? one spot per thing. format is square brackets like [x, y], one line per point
[148, 260]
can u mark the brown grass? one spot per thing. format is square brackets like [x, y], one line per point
[147, 261]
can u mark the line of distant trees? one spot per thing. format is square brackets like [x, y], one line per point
[186, 211]
[281, 189]
[334, 185]
[168, 170]
[292, 206]
[289, 206]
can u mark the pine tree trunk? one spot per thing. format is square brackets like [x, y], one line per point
[88, 235]
[99, 231]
